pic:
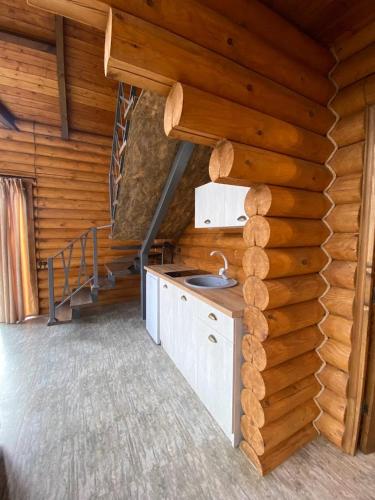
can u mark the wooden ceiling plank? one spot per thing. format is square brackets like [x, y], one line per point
[28, 42]
[6, 118]
[59, 29]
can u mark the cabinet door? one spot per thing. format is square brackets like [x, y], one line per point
[209, 205]
[166, 317]
[235, 214]
[152, 307]
[215, 375]
[186, 346]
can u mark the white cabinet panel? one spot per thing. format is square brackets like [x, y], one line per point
[167, 317]
[209, 206]
[215, 375]
[152, 307]
[220, 205]
[186, 347]
[215, 319]
[234, 201]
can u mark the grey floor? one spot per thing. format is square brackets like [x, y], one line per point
[94, 410]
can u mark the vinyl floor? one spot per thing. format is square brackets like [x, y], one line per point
[95, 410]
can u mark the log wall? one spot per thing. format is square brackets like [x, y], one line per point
[355, 78]
[70, 195]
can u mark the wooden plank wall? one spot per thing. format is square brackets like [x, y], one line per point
[194, 247]
[355, 78]
[28, 82]
[70, 195]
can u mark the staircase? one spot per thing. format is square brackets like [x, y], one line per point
[80, 287]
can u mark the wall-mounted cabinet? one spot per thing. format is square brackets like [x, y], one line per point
[220, 205]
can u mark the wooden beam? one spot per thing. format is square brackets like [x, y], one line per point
[30, 43]
[6, 118]
[59, 28]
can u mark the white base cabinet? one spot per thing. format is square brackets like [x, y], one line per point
[205, 345]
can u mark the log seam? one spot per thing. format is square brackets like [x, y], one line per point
[326, 193]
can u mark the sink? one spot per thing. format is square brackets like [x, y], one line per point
[210, 281]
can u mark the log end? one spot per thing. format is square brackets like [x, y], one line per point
[258, 200]
[173, 108]
[255, 262]
[256, 293]
[257, 232]
[256, 322]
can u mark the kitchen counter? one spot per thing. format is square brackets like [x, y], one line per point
[228, 300]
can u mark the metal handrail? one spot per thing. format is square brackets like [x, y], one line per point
[84, 278]
[124, 107]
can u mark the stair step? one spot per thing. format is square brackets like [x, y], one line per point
[81, 298]
[119, 268]
[105, 284]
[63, 314]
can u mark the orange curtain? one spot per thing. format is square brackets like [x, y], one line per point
[17, 299]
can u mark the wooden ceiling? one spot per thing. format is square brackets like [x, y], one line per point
[28, 77]
[326, 20]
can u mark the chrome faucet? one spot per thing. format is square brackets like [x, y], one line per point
[223, 270]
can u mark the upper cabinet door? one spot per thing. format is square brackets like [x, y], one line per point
[220, 205]
[235, 214]
[209, 205]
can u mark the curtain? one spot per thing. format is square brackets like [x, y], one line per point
[17, 299]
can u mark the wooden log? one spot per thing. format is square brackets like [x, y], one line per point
[265, 383]
[270, 294]
[356, 67]
[336, 354]
[149, 57]
[234, 163]
[275, 201]
[354, 42]
[338, 328]
[339, 301]
[264, 439]
[355, 97]
[215, 240]
[280, 403]
[341, 274]
[217, 33]
[331, 428]
[281, 452]
[334, 379]
[191, 114]
[343, 246]
[263, 21]
[233, 255]
[349, 130]
[346, 189]
[333, 404]
[278, 263]
[272, 352]
[348, 160]
[344, 218]
[276, 322]
[273, 232]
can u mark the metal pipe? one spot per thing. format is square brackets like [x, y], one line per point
[51, 292]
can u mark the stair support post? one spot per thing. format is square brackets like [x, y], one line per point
[179, 165]
[95, 258]
[51, 292]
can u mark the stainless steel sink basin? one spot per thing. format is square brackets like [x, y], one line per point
[210, 281]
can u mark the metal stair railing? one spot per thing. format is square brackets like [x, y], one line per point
[87, 271]
[124, 107]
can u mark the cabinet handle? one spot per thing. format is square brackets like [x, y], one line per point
[183, 298]
[165, 286]
[212, 316]
[207, 221]
[212, 338]
[241, 218]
